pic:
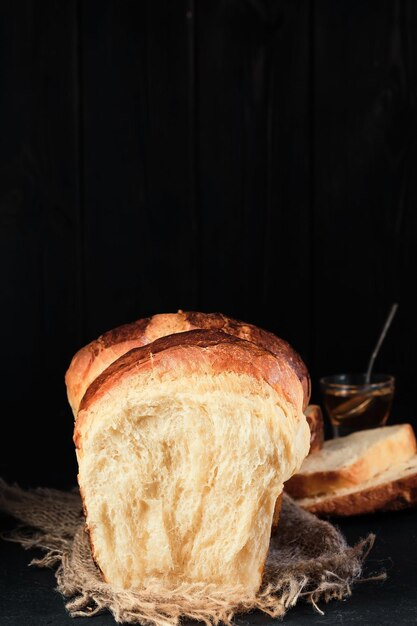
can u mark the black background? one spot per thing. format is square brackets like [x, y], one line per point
[250, 157]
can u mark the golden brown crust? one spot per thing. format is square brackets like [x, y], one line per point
[391, 496]
[222, 351]
[264, 338]
[91, 360]
[315, 421]
[87, 531]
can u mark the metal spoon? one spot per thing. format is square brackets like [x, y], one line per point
[353, 406]
[381, 338]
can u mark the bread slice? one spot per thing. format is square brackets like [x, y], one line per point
[392, 490]
[349, 461]
[183, 447]
[90, 361]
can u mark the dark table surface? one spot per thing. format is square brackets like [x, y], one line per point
[28, 596]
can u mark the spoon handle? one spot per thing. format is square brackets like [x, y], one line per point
[381, 338]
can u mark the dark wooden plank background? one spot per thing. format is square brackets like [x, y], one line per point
[247, 156]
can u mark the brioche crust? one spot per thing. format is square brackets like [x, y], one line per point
[194, 351]
[90, 361]
[315, 421]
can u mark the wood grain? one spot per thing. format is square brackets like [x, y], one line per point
[255, 157]
[39, 222]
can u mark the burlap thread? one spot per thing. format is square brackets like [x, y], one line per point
[308, 558]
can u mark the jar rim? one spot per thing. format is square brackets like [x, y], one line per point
[356, 381]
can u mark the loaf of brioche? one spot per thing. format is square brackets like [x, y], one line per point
[183, 447]
[91, 360]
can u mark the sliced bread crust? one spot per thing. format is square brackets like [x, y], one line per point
[392, 490]
[352, 460]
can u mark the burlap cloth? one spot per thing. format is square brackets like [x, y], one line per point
[308, 558]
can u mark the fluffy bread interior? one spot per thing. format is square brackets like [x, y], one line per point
[391, 443]
[180, 478]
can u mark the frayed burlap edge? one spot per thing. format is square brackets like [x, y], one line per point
[308, 558]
